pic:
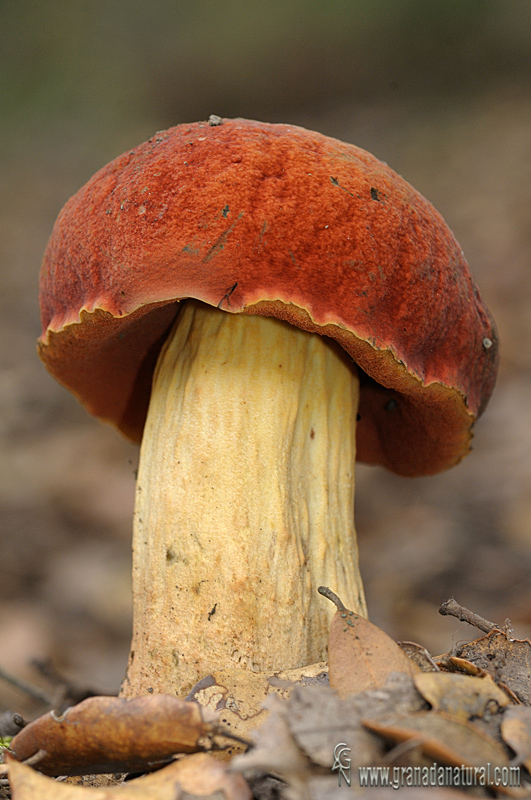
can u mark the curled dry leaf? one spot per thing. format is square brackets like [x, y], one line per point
[238, 696]
[196, 776]
[360, 655]
[114, 734]
[455, 664]
[462, 696]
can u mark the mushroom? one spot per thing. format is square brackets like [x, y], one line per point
[260, 305]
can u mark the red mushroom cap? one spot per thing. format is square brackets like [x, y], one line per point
[278, 221]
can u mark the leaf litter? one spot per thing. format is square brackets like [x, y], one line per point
[391, 708]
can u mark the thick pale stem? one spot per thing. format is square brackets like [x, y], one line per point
[245, 501]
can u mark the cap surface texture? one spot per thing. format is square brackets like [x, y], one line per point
[275, 220]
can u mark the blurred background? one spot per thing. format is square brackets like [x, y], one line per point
[441, 91]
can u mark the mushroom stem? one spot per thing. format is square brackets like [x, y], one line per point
[245, 500]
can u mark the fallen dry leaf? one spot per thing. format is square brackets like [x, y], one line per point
[419, 654]
[114, 734]
[462, 696]
[507, 660]
[442, 737]
[299, 738]
[196, 776]
[360, 655]
[316, 719]
[516, 732]
[238, 696]
[456, 664]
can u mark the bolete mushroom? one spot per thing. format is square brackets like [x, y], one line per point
[313, 276]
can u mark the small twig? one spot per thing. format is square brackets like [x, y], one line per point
[24, 686]
[330, 595]
[67, 693]
[10, 724]
[452, 608]
[48, 671]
